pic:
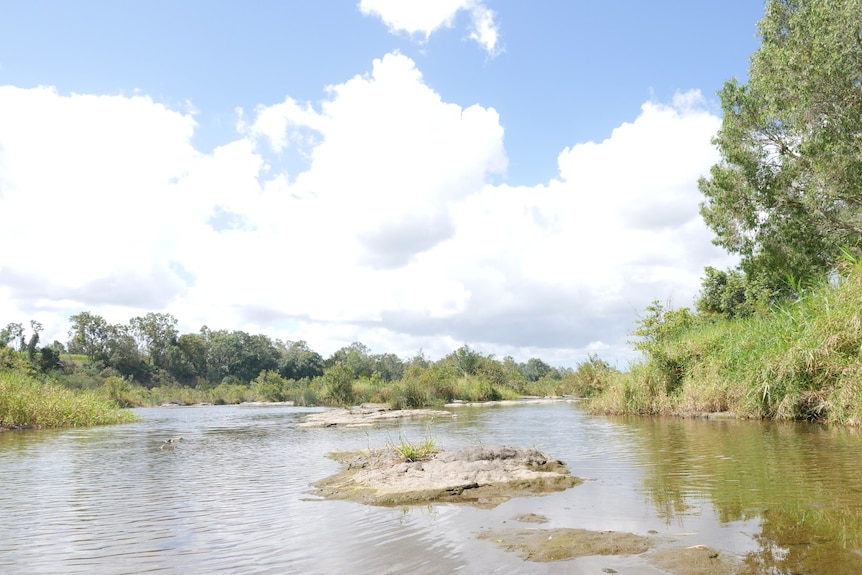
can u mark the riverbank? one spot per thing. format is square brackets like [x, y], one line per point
[801, 360]
[26, 402]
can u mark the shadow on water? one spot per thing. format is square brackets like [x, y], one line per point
[233, 495]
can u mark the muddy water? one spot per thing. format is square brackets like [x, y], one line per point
[232, 497]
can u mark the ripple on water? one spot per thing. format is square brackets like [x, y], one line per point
[233, 495]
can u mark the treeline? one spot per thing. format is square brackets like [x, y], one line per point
[147, 361]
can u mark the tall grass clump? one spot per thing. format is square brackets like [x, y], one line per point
[27, 402]
[798, 360]
[415, 450]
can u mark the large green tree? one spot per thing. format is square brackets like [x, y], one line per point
[787, 194]
[156, 334]
[89, 335]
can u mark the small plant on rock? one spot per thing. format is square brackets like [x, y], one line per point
[415, 450]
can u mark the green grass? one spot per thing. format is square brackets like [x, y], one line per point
[415, 450]
[28, 402]
[798, 361]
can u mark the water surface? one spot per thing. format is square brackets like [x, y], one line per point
[233, 496]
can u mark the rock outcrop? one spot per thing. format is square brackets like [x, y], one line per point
[481, 475]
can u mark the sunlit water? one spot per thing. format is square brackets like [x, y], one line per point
[234, 497]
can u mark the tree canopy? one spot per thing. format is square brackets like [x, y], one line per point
[787, 194]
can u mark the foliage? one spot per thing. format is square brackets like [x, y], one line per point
[298, 361]
[27, 402]
[732, 293]
[590, 378]
[415, 450]
[89, 336]
[800, 360]
[787, 194]
[338, 383]
[659, 326]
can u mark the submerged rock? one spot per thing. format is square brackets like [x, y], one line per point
[560, 544]
[696, 560]
[481, 475]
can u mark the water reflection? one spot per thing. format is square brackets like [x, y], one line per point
[799, 483]
[233, 495]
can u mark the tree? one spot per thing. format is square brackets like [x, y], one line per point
[89, 336]
[12, 335]
[298, 361]
[355, 356]
[467, 360]
[194, 349]
[388, 366]
[36, 327]
[239, 354]
[123, 354]
[787, 194]
[731, 293]
[535, 369]
[155, 333]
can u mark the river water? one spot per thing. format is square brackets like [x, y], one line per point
[234, 497]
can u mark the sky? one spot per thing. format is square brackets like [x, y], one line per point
[519, 177]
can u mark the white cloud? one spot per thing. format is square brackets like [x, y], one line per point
[393, 235]
[425, 16]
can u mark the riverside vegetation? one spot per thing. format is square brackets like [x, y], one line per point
[27, 401]
[779, 336]
[148, 362]
[776, 337]
[798, 359]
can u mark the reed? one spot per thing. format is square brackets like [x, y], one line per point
[801, 360]
[27, 402]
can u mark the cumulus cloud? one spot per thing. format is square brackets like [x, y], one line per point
[394, 234]
[425, 16]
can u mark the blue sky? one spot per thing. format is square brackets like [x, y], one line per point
[413, 174]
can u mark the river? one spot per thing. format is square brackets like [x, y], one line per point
[233, 496]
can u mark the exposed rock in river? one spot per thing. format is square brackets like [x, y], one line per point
[481, 475]
[368, 414]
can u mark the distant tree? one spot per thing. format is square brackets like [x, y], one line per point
[194, 349]
[89, 336]
[36, 328]
[298, 361]
[13, 336]
[124, 355]
[356, 356]
[240, 355]
[468, 361]
[387, 366]
[155, 333]
[535, 369]
[418, 359]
